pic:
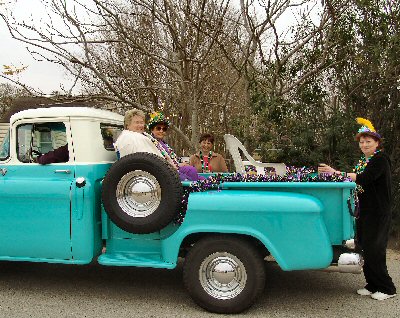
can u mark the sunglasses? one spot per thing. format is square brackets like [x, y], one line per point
[161, 128]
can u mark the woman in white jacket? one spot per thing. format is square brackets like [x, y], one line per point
[132, 138]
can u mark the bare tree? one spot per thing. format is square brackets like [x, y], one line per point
[8, 93]
[196, 60]
[269, 44]
[144, 53]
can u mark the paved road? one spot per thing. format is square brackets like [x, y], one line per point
[43, 290]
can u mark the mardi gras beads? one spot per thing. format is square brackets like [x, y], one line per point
[293, 175]
[205, 168]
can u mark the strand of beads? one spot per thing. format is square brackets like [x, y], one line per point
[360, 167]
[206, 167]
[164, 151]
[294, 175]
[362, 163]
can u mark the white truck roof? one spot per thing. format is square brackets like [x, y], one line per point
[83, 126]
[52, 112]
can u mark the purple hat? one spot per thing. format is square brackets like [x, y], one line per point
[367, 129]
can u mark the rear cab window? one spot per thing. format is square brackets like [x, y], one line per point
[110, 134]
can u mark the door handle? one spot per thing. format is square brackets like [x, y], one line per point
[62, 171]
[3, 171]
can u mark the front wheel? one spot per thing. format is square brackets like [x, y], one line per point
[224, 274]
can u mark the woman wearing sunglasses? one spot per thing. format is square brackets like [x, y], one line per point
[158, 126]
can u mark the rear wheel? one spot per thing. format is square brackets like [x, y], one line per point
[224, 274]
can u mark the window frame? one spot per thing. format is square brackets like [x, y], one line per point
[36, 139]
[115, 134]
[6, 141]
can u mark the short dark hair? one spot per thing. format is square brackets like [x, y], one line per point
[374, 137]
[206, 136]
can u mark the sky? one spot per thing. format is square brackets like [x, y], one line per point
[45, 76]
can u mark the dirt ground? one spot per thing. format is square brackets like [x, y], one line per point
[394, 242]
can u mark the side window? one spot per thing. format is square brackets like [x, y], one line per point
[110, 133]
[5, 147]
[42, 140]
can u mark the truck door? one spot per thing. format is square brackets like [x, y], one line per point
[35, 199]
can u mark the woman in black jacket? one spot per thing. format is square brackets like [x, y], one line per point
[373, 177]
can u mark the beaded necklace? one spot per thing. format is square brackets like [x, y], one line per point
[206, 167]
[360, 167]
[362, 163]
[164, 148]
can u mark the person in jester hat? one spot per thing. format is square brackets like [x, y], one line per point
[158, 126]
[373, 178]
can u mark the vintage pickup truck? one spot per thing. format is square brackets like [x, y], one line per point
[68, 212]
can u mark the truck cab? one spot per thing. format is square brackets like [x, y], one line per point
[45, 213]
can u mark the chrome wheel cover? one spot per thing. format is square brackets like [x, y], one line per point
[222, 275]
[138, 193]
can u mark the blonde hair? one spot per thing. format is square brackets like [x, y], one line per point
[130, 114]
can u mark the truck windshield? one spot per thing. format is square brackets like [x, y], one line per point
[5, 147]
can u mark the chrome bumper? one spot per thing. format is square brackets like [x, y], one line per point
[347, 263]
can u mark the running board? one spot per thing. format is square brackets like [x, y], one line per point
[135, 260]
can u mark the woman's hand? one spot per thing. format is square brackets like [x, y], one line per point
[352, 176]
[323, 168]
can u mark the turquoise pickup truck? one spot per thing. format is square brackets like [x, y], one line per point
[93, 207]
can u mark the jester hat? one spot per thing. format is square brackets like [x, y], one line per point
[366, 129]
[157, 118]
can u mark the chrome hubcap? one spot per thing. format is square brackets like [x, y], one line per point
[222, 275]
[138, 193]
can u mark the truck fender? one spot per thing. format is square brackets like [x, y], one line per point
[289, 225]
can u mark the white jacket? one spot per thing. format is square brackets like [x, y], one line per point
[130, 142]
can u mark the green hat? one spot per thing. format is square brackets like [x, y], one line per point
[157, 118]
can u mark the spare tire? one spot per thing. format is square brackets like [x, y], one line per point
[142, 193]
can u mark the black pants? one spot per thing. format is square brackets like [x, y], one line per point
[372, 236]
